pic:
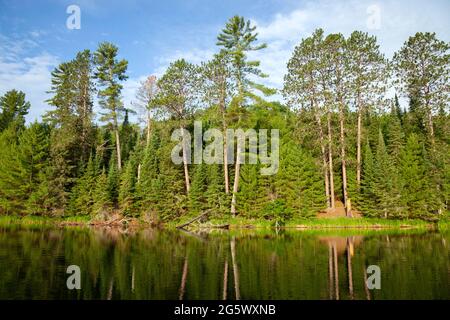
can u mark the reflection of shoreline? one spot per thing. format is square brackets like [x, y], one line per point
[342, 243]
[338, 246]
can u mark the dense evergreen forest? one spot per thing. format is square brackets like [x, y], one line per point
[342, 140]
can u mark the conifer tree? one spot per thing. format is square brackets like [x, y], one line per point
[82, 195]
[238, 39]
[109, 72]
[178, 96]
[422, 67]
[113, 180]
[197, 196]
[368, 74]
[127, 187]
[13, 109]
[102, 203]
[414, 178]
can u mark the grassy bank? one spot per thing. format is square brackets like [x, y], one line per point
[326, 223]
[41, 220]
[246, 223]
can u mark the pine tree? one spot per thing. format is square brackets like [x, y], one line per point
[178, 95]
[109, 72]
[422, 67]
[13, 109]
[237, 39]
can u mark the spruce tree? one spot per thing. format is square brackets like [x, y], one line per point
[127, 187]
[197, 196]
[414, 178]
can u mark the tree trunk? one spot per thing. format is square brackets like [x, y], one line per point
[330, 271]
[349, 266]
[148, 128]
[225, 280]
[431, 128]
[139, 172]
[185, 164]
[344, 166]
[119, 156]
[324, 159]
[358, 150]
[336, 272]
[183, 279]
[235, 268]
[225, 157]
[236, 183]
[330, 160]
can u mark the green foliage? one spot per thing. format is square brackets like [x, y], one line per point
[13, 109]
[415, 181]
[68, 165]
[278, 212]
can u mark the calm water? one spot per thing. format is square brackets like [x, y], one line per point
[155, 264]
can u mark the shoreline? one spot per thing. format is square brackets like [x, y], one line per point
[236, 223]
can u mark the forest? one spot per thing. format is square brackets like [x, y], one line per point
[357, 130]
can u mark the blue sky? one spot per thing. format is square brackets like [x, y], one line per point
[150, 34]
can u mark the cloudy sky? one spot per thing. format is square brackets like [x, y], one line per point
[34, 37]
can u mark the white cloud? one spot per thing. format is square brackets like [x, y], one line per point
[30, 74]
[398, 21]
[193, 55]
[23, 67]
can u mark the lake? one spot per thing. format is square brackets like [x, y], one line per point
[245, 264]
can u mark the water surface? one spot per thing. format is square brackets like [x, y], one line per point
[158, 264]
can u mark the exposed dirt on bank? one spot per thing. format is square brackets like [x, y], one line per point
[337, 212]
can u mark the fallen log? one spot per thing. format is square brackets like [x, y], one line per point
[193, 220]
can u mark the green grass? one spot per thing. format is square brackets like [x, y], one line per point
[39, 220]
[244, 223]
[324, 223]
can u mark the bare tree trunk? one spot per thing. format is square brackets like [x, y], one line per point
[119, 155]
[225, 280]
[236, 182]
[431, 127]
[235, 268]
[148, 128]
[139, 172]
[358, 150]
[344, 166]
[330, 160]
[183, 279]
[225, 157]
[324, 159]
[185, 163]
